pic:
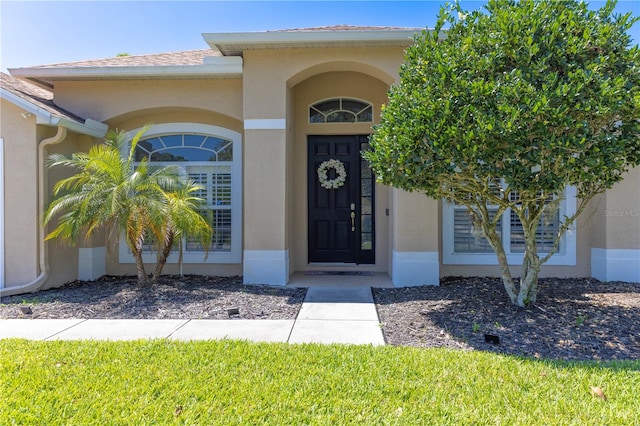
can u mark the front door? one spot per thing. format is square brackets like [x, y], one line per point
[341, 200]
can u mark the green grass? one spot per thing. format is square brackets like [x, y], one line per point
[230, 382]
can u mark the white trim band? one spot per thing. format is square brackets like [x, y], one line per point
[266, 267]
[414, 268]
[615, 264]
[265, 124]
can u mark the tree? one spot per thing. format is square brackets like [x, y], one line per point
[535, 96]
[184, 221]
[140, 202]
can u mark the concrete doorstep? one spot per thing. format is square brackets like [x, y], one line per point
[328, 315]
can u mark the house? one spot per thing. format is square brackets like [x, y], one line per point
[256, 118]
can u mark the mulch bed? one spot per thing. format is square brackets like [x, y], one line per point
[574, 319]
[175, 297]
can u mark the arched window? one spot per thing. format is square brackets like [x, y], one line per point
[341, 110]
[185, 147]
[210, 156]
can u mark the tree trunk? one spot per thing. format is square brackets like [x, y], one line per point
[528, 288]
[135, 245]
[142, 274]
[530, 270]
[162, 257]
[495, 242]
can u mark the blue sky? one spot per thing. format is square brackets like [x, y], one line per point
[46, 32]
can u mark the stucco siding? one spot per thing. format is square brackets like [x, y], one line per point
[266, 72]
[21, 195]
[620, 213]
[62, 256]
[105, 100]
[264, 192]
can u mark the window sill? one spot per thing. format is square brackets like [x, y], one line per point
[558, 259]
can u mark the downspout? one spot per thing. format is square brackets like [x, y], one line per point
[43, 253]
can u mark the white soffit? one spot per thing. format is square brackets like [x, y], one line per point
[233, 44]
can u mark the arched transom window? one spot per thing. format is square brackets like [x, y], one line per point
[341, 110]
[185, 147]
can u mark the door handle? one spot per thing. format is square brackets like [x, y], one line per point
[353, 221]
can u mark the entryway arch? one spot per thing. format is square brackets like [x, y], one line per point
[342, 96]
[372, 71]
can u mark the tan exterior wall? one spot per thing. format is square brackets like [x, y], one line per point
[213, 269]
[264, 192]
[291, 179]
[63, 257]
[598, 221]
[416, 222]
[105, 100]
[265, 95]
[618, 214]
[22, 137]
[138, 119]
[267, 72]
[21, 195]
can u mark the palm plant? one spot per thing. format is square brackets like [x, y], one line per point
[109, 192]
[184, 221]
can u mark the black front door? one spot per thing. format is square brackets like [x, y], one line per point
[341, 213]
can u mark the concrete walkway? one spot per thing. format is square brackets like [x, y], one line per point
[328, 315]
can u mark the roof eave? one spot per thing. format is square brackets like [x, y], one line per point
[214, 67]
[88, 127]
[222, 41]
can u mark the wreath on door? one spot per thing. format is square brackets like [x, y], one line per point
[323, 171]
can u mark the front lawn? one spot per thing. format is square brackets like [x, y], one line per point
[230, 382]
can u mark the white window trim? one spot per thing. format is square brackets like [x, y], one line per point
[233, 256]
[565, 256]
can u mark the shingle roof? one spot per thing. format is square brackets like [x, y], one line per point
[37, 96]
[345, 27]
[194, 57]
[189, 57]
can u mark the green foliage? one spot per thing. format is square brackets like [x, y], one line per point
[109, 192]
[542, 94]
[231, 382]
